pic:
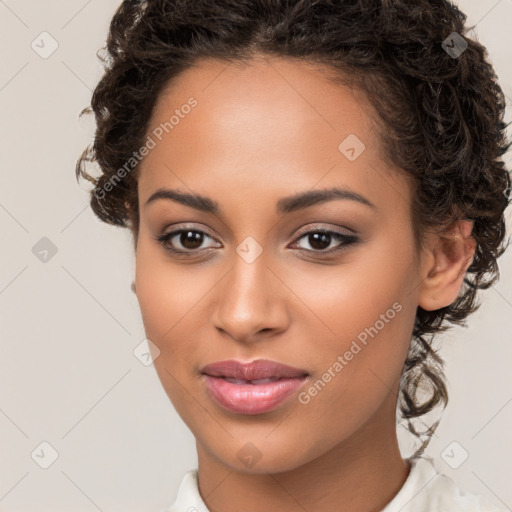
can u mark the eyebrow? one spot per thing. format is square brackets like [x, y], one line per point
[285, 205]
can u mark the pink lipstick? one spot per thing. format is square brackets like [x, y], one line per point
[252, 388]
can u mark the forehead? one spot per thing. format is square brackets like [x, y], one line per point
[268, 123]
[276, 96]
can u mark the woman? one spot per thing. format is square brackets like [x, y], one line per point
[315, 189]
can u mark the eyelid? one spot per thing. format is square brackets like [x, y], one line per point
[326, 227]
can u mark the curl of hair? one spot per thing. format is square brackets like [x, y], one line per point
[441, 117]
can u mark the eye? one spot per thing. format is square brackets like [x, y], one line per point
[321, 241]
[189, 239]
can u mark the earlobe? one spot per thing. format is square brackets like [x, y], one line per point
[451, 255]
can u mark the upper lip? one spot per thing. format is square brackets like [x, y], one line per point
[259, 369]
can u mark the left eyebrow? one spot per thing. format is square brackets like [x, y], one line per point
[284, 205]
[312, 197]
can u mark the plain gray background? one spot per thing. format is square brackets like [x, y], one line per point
[69, 326]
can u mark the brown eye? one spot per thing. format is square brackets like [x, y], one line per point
[191, 239]
[184, 240]
[321, 240]
[189, 242]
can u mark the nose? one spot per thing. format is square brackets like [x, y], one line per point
[251, 302]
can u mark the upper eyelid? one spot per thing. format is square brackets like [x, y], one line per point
[323, 227]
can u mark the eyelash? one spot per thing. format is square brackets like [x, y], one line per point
[347, 240]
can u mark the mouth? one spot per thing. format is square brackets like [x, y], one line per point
[253, 388]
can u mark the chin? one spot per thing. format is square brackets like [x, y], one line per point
[258, 455]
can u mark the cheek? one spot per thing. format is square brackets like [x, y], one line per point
[366, 315]
[170, 298]
[166, 300]
[357, 370]
[165, 292]
[340, 301]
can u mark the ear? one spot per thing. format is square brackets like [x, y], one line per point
[444, 265]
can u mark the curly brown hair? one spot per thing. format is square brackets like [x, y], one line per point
[441, 115]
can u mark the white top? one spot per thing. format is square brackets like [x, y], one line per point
[425, 490]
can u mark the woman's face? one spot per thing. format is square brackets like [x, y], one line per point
[256, 278]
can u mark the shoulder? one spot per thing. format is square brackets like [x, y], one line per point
[426, 489]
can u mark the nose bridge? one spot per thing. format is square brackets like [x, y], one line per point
[248, 301]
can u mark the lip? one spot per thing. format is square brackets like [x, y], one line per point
[259, 369]
[247, 397]
[251, 398]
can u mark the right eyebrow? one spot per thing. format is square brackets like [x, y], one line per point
[196, 201]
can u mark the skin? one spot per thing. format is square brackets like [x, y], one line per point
[261, 132]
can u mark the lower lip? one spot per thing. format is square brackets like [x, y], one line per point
[250, 398]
